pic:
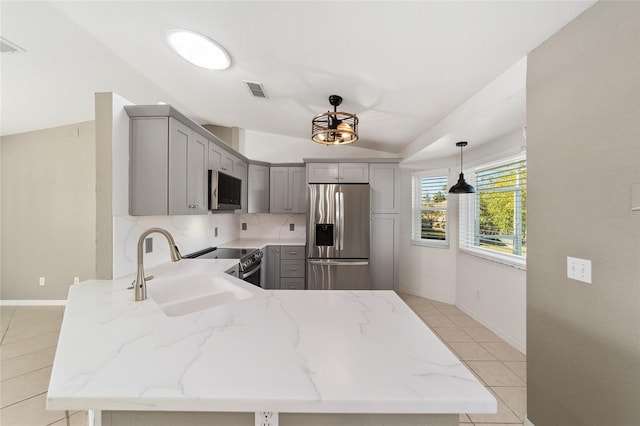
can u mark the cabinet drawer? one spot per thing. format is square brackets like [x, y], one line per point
[291, 268]
[292, 284]
[292, 252]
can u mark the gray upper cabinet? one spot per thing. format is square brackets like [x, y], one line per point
[241, 172]
[322, 172]
[338, 172]
[384, 180]
[215, 157]
[258, 189]
[187, 170]
[221, 160]
[168, 168]
[148, 171]
[225, 162]
[353, 172]
[287, 190]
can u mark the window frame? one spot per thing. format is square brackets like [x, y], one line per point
[416, 209]
[467, 220]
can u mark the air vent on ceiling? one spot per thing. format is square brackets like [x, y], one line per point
[7, 47]
[256, 89]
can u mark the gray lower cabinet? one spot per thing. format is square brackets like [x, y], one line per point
[285, 267]
[272, 267]
[168, 168]
[384, 256]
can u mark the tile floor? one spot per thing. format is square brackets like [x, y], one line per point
[28, 337]
[499, 366]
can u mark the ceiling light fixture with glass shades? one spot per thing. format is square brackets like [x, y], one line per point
[198, 49]
[334, 128]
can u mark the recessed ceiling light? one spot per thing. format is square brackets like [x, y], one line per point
[198, 49]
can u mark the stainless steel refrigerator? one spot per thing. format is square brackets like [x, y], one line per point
[338, 237]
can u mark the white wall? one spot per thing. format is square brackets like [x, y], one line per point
[583, 105]
[285, 149]
[426, 271]
[451, 276]
[48, 211]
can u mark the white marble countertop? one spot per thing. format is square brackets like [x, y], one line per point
[263, 242]
[286, 351]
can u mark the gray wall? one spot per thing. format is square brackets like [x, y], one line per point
[48, 211]
[583, 148]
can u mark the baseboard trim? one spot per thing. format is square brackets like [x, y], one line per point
[527, 422]
[510, 340]
[426, 296]
[33, 302]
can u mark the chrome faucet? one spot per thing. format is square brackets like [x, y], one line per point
[140, 284]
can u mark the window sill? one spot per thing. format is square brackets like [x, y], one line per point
[426, 243]
[504, 259]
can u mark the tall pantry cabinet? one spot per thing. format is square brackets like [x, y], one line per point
[385, 225]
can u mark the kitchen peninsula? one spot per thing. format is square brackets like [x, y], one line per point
[314, 357]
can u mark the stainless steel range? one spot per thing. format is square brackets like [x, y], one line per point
[250, 260]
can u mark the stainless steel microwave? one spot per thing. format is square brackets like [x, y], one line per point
[225, 191]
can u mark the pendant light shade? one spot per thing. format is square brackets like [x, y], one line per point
[461, 187]
[334, 128]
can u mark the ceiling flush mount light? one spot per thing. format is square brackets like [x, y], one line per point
[461, 187]
[198, 49]
[334, 128]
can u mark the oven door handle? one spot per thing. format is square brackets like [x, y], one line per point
[251, 272]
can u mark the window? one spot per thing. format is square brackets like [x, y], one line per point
[430, 210]
[493, 221]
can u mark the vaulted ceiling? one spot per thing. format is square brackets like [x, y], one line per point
[403, 67]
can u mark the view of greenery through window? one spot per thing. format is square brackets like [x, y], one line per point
[501, 201]
[433, 208]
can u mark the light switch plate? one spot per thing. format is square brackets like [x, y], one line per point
[579, 269]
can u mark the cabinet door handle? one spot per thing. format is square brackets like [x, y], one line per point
[293, 252]
[293, 269]
[193, 206]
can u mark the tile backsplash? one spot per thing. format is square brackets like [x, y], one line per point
[265, 225]
[193, 233]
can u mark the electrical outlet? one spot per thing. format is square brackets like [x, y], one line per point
[292, 227]
[266, 418]
[76, 280]
[41, 280]
[148, 245]
[244, 226]
[579, 269]
[215, 231]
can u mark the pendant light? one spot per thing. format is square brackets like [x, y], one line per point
[334, 128]
[461, 187]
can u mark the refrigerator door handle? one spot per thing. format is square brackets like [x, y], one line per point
[339, 262]
[341, 220]
[338, 222]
